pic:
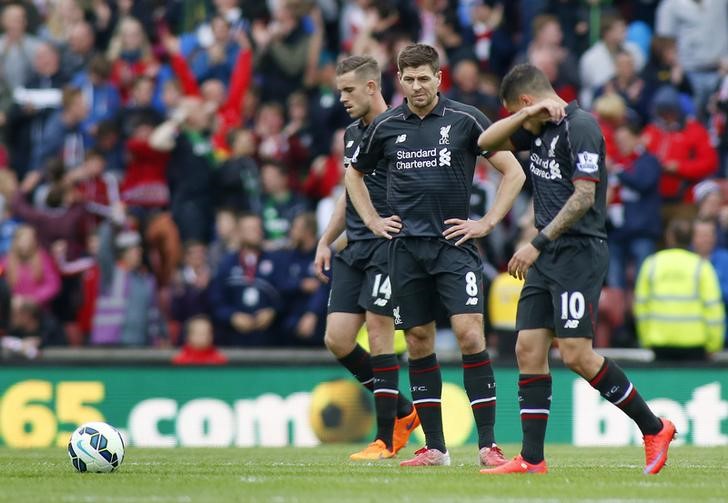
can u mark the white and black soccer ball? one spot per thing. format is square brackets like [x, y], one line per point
[96, 447]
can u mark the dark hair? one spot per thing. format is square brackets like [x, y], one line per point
[100, 66]
[658, 47]
[713, 222]
[227, 209]
[607, 23]
[632, 123]
[193, 242]
[364, 67]
[107, 127]
[309, 221]
[540, 21]
[70, 94]
[524, 78]
[415, 55]
[681, 232]
[141, 79]
[94, 152]
[248, 214]
[55, 170]
[274, 163]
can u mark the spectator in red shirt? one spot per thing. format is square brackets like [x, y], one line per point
[610, 111]
[198, 348]
[682, 145]
[145, 182]
[131, 55]
[326, 170]
[99, 190]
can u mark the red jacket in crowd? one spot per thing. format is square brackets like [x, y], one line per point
[690, 148]
[192, 356]
[145, 181]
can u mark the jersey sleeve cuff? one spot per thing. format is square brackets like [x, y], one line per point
[361, 169]
[587, 178]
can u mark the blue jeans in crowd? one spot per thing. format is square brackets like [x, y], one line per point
[622, 253]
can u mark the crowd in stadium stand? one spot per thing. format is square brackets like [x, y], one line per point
[166, 165]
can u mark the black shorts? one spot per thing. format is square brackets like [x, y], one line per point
[360, 279]
[421, 268]
[562, 288]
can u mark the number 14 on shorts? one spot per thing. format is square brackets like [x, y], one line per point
[572, 308]
[382, 290]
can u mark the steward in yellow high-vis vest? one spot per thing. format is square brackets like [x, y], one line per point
[678, 300]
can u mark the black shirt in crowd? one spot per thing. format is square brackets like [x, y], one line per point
[570, 150]
[430, 162]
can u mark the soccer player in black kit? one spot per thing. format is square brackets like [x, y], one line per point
[429, 149]
[360, 287]
[565, 265]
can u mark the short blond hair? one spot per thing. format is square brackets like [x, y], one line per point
[610, 107]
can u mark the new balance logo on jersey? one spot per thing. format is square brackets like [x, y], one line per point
[445, 135]
[401, 138]
[445, 156]
[380, 302]
[571, 324]
[349, 143]
[472, 301]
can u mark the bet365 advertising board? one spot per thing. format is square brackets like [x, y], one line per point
[279, 406]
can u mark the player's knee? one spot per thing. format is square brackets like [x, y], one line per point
[525, 353]
[572, 359]
[418, 333]
[339, 346]
[379, 326]
[471, 341]
[381, 342]
[420, 343]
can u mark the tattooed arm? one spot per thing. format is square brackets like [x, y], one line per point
[576, 206]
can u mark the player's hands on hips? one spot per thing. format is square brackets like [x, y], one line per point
[385, 227]
[466, 229]
[322, 262]
[524, 258]
[547, 109]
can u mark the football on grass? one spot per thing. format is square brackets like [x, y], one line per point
[341, 411]
[96, 447]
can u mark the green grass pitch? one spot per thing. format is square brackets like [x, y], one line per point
[324, 474]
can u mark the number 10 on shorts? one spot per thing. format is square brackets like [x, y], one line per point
[572, 308]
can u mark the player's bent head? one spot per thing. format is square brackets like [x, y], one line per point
[524, 85]
[358, 79]
[365, 68]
